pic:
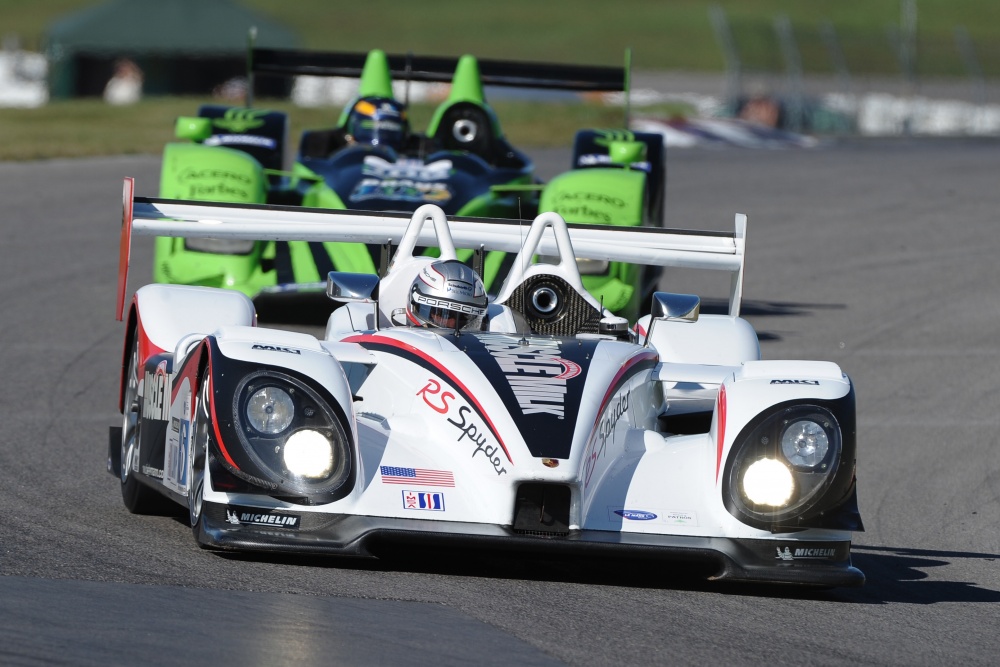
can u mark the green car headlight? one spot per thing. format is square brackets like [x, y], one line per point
[219, 246]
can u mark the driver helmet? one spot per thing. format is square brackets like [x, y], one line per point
[447, 294]
[378, 121]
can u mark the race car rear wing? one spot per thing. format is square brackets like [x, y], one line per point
[721, 251]
[553, 76]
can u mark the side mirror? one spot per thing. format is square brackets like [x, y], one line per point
[194, 128]
[352, 287]
[669, 306]
[626, 152]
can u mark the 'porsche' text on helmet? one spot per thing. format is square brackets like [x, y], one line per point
[449, 295]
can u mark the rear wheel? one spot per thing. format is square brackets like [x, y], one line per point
[137, 497]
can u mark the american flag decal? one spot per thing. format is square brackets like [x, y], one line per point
[416, 476]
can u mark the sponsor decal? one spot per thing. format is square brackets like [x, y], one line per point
[275, 348]
[469, 428]
[256, 517]
[401, 189]
[422, 500]
[209, 173]
[241, 140]
[536, 372]
[439, 170]
[805, 553]
[150, 471]
[680, 518]
[211, 184]
[593, 197]
[660, 516]
[635, 515]
[156, 394]
[809, 382]
[615, 412]
[598, 159]
[605, 429]
[416, 476]
[436, 399]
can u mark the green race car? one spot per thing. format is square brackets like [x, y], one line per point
[373, 160]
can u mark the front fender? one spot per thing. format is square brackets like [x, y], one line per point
[241, 358]
[754, 407]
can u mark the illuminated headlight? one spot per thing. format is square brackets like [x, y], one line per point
[219, 246]
[270, 410]
[768, 482]
[782, 464]
[309, 454]
[291, 434]
[805, 443]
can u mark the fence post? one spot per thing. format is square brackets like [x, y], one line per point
[724, 35]
[793, 72]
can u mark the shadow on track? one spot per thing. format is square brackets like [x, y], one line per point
[750, 309]
[898, 575]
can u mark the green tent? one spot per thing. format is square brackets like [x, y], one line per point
[182, 46]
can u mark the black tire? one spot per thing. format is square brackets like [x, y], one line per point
[198, 456]
[137, 497]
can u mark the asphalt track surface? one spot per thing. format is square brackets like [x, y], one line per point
[878, 256]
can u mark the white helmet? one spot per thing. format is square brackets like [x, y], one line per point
[449, 295]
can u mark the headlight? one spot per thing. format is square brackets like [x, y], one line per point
[805, 443]
[292, 435]
[768, 482]
[782, 464]
[308, 453]
[270, 410]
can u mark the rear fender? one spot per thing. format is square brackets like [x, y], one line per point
[162, 317]
[718, 340]
[171, 313]
[759, 385]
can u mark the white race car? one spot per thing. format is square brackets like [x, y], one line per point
[540, 423]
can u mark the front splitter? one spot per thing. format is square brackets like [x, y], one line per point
[782, 561]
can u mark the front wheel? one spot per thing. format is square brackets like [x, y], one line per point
[137, 497]
[198, 456]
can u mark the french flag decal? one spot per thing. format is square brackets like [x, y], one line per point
[421, 500]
